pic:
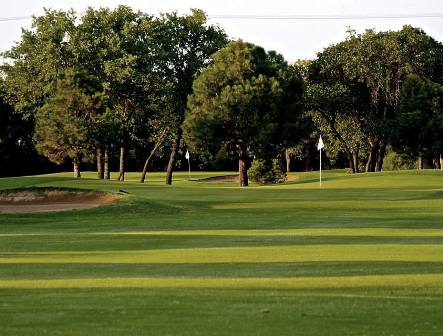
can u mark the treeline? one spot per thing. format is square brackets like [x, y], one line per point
[123, 84]
[110, 80]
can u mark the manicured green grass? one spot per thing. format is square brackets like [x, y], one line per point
[361, 256]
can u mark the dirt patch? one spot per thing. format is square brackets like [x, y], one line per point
[218, 179]
[51, 199]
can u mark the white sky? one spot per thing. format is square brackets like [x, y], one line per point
[296, 39]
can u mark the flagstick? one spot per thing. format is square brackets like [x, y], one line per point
[320, 167]
[189, 166]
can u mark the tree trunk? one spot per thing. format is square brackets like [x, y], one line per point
[356, 160]
[99, 164]
[441, 162]
[370, 165]
[173, 156]
[420, 160]
[242, 169]
[381, 157]
[121, 171]
[106, 172]
[288, 160]
[350, 160]
[76, 164]
[159, 142]
[344, 144]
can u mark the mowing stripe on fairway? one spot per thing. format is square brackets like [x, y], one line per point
[292, 253]
[357, 232]
[431, 281]
[333, 232]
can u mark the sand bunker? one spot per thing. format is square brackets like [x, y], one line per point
[51, 199]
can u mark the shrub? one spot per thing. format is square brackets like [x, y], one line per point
[395, 161]
[266, 172]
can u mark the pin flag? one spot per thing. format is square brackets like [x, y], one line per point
[320, 146]
[187, 156]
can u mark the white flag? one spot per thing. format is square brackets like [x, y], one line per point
[187, 156]
[320, 144]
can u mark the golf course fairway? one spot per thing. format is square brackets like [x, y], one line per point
[363, 255]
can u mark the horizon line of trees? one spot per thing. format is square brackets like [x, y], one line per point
[124, 85]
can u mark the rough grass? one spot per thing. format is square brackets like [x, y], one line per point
[361, 256]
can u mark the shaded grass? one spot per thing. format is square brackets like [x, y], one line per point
[236, 270]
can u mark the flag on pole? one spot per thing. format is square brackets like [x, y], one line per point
[187, 156]
[320, 144]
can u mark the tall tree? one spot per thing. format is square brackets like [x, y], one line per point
[333, 110]
[418, 126]
[64, 125]
[184, 45]
[381, 61]
[116, 46]
[373, 66]
[248, 101]
[33, 65]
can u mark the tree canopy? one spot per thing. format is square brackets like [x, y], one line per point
[247, 100]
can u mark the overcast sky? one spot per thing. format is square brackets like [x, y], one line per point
[295, 39]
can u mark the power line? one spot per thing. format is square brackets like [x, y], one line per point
[327, 17]
[15, 18]
[292, 17]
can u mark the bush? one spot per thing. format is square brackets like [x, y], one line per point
[395, 161]
[266, 172]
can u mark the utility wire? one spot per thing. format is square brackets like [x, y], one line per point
[327, 17]
[15, 18]
[292, 17]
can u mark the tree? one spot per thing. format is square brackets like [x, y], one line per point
[372, 67]
[32, 68]
[117, 47]
[35, 62]
[337, 104]
[419, 124]
[381, 61]
[247, 100]
[17, 152]
[65, 124]
[183, 47]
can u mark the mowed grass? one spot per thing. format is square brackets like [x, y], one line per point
[361, 256]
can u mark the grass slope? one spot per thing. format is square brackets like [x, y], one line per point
[361, 256]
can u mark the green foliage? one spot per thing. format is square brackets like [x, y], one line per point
[246, 97]
[36, 61]
[183, 46]
[145, 64]
[395, 161]
[266, 172]
[360, 79]
[419, 124]
[66, 123]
